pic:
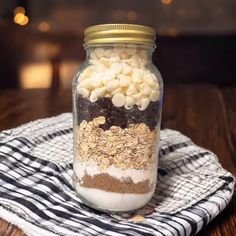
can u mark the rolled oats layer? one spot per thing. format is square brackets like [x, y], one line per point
[130, 148]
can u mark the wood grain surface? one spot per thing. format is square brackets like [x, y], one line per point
[202, 112]
[230, 106]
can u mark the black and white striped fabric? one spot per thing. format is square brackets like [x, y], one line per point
[37, 195]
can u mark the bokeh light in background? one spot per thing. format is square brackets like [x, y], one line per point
[20, 17]
[19, 9]
[38, 75]
[131, 16]
[41, 40]
[166, 1]
[35, 75]
[44, 27]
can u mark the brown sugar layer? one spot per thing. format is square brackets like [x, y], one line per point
[108, 183]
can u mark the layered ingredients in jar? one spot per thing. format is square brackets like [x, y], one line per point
[118, 114]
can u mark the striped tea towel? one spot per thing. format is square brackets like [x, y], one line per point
[36, 192]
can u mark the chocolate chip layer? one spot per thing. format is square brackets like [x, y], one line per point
[117, 116]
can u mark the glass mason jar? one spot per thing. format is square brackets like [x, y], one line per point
[117, 102]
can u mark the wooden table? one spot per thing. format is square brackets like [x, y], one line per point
[203, 112]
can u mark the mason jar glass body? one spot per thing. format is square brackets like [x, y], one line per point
[117, 102]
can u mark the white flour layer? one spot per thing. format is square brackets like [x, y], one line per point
[92, 169]
[113, 201]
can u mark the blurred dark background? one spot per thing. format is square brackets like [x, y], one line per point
[41, 42]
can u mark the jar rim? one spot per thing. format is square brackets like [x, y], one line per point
[119, 33]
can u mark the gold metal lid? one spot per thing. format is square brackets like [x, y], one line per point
[119, 33]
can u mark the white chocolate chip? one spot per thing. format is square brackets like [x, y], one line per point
[131, 50]
[127, 107]
[118, 100]
[100, 67]
[105, 61]
[157, 86]
[100, 91]
[82, 91]
[112, 85]
[124, 56]
[134, 63]
[88, 71]
[138, 72]
[150, 80]
[136, 80]
[131, 90]
[82, 77]
[105, 80]
[93, 61]
[129, 102]
[99, 52]
[93, 97]
[126, 69]
[144, 102]
[93, 55]
[118, 90]
[119, 48]
[137, 97]
[135, 57]
[116, 68]
[114, 58]
[108, 53]
[95, 80]
[124, 80]
[145, 89]
[137, 86]
[108, 76]
[85, 84]
[137, 75]
[154, 96]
